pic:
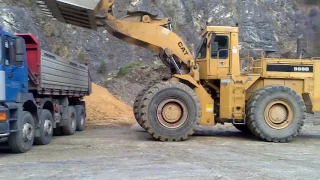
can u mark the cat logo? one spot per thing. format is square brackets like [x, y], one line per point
[184, 50]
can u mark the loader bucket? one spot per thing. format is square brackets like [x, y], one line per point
[76, 12]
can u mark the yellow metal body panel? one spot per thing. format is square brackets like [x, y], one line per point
[297, 85]
[316, 97]
[233, 95]
[206, 101]
[222, 29]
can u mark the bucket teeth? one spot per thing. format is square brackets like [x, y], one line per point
[76, 12]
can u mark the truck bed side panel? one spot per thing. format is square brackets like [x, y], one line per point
[60, 75]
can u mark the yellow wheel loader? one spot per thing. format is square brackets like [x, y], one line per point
[269, 98]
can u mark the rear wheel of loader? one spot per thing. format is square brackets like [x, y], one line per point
[276, 113]
[171, 111]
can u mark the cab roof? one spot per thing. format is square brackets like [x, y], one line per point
[220, 29]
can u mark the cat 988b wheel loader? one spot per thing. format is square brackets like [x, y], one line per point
[269, 98]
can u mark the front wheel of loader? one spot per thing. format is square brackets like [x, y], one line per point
[170, 111]
[137, 105]
[276, 113]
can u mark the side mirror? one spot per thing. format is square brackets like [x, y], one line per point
[20, 49]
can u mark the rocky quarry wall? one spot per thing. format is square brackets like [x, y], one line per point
[268, 24]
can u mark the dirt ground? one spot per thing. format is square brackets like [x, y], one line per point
[104, 110]
[129, 153]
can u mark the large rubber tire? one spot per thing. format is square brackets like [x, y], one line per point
[160, 93]
[257, 120]
[137, 105]
[46, 128]
[71, 126]
[81, 117]
[19, 143]
[243, 128]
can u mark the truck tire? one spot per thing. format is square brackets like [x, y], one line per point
[81, 117]
[46, 128]
[276, 113]
[137, 106]
[71, 126]
[171, 111]
[22, 140]
[243, 128]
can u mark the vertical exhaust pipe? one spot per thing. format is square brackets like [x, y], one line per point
[299, 47]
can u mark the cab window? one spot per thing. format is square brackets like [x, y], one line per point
[7, 52]
[203, 50]
[219, 47]
[10, 52]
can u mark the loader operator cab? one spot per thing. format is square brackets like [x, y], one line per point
[217, 52]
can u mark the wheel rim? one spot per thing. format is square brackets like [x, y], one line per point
[48, 129]
[27, 132]
[172, 113]
[278, 114]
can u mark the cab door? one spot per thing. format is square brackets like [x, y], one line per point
[203, 58]
[15, 72]
[219, 61]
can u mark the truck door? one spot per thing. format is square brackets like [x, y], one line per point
[219, 56]
[15, 72]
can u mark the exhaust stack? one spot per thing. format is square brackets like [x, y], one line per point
[299, 47]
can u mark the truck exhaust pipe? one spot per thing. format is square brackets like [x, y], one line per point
[299, 47]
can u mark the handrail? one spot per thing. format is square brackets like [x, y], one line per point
[249, 60]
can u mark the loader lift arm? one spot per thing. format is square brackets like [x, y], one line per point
[143, 29]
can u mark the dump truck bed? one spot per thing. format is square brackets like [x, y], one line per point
[62, 77]
[50, 74]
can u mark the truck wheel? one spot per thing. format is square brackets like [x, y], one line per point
[137, 106]
[171, 111]
[71, 126]
[46, 128]
[276, 113]
[81, 117]
[243, 128]
[22, 140]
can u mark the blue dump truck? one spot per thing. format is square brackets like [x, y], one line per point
[40, 93]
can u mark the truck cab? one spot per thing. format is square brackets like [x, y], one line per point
[13, 74]
[13, 67]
